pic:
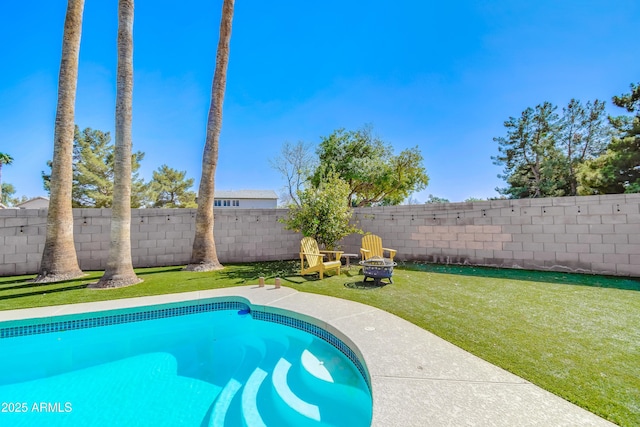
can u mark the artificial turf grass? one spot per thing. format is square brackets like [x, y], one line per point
[574, 335]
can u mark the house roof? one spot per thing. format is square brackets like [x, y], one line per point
[246, 194]
[28, 202]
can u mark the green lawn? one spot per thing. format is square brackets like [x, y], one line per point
[577, 336]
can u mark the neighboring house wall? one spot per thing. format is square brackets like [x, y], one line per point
[246, 199]
[245, 204]
[595, 234]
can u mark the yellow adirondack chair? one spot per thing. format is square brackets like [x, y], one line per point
[372, 247]
[314, 258]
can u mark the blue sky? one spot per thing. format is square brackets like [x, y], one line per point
[440, 75]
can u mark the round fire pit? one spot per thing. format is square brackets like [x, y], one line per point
[377, 269]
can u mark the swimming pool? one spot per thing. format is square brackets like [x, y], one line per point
[205, 363]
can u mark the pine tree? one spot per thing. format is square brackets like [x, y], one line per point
[583, 134]
[529, 154]
[93, 170]
[169, 189]
[617, 170]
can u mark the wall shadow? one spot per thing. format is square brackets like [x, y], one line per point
[576, 279]
[47, 291]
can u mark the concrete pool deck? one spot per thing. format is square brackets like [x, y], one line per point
[417, 378]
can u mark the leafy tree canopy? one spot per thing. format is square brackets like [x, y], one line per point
[8, 190]
[93, 170]
[436, 199]
[8, 199]
[617, 170]
[5, 159]
[543, 151]
[527, 150]
[323, 213]
[373, 173]
[170, 189]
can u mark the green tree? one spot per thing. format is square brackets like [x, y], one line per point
[203, 255]
[436, 199]
[93, 165]
[6, 191]
[169, 189]
[94, 171]
[543, 152]
[5, 159]
[583, 135]
[323, 213]
[59, 258]
[369, 167]
[617, 170]
[529, 154]
[119, 271]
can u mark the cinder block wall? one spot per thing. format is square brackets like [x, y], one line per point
[158, 237]
[594, 234]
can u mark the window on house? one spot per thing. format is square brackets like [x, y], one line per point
[227, 203]
[236, 203]
[217, 203]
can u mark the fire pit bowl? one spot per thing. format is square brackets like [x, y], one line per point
[377, 269]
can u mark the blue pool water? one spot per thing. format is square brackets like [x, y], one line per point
[216, 368]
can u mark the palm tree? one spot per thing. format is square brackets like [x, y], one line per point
[59, 259]
[119, 271]
[5, 159]
[203, 255]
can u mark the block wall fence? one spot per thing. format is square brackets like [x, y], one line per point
[591, 234]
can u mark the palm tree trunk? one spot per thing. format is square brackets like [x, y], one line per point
[59, 258]
[119, 271]
[204, 256]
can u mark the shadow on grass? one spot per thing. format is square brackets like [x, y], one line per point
[367, 286]
[288, 271]
[577, 279]
[249, 273]
[41, 288]
[156, 270]
[42, 292]
[27, 283]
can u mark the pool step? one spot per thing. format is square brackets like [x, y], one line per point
[222, 410]
[289, 405]
[321, 360]
[252, 416]
[317, 377]
[298, 382]
[326, 380]
[308, 412]
[236, 404]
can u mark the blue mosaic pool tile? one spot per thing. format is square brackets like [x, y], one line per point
[116, 319]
